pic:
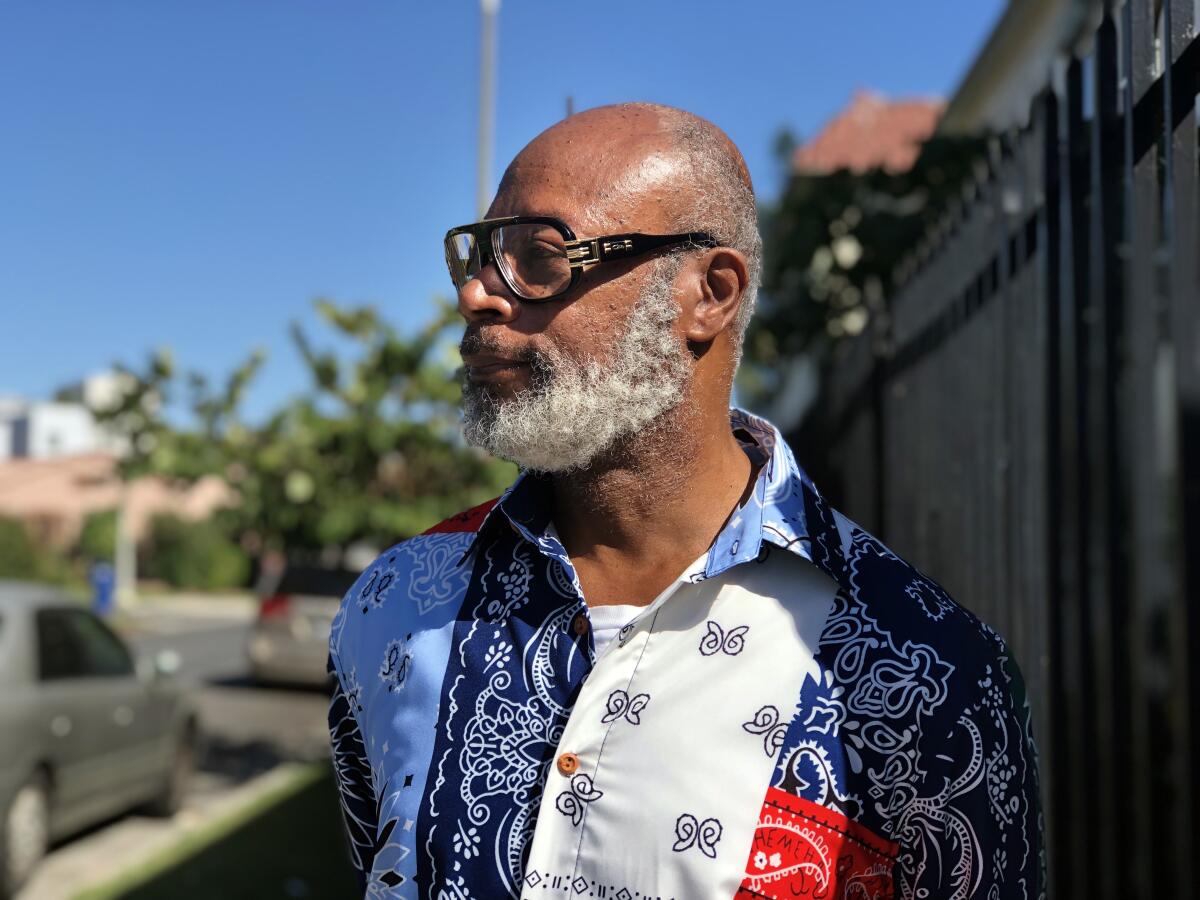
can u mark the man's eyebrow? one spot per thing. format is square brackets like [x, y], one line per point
[543, 211]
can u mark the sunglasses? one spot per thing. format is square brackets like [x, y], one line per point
[539, 257]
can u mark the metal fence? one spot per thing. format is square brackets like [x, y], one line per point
[1024, 424]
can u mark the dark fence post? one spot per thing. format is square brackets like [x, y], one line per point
[1080, 702]
[1057, 787]
[1185, 90]
[1181, 215]
[1101, 316]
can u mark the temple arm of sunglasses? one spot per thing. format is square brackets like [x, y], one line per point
[622, 246]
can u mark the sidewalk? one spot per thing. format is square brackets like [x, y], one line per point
[239, 605]
[182, 613]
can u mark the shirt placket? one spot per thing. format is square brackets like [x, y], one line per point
[578, 777]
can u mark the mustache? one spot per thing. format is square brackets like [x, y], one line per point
[475, 341]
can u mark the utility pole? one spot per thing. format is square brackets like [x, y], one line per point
[125, 553]
[487, 65]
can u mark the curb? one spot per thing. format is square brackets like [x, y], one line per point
[104, 867]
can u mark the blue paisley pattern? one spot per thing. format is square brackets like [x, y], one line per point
[502, 715]
[457, 667]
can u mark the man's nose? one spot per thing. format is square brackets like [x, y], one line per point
[485, 298]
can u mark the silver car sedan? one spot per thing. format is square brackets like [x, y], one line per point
[86, 729]
[289, 641]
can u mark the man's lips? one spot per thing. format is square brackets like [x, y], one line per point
[484, 367]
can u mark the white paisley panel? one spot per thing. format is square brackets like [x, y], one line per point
[676, 731]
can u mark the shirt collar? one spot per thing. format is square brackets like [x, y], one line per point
[784, 509]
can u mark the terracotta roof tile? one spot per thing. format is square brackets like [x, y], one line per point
[872, 132]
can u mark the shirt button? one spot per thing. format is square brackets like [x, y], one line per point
[568, 763]
[579, 624]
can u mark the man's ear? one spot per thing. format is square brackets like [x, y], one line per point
[723, 278]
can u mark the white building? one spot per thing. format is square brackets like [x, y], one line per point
[10, 408]
[49, 430]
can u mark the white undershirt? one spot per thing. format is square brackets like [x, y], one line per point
[607, 621]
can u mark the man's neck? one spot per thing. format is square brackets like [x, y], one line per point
[634, 521]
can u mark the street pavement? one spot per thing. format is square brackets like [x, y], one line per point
[252, 734]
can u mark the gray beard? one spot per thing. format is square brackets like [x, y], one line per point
[574, 410]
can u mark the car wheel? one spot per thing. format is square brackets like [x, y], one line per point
[179, 778]
[24, 834]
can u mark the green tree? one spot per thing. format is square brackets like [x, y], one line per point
[369, 452]
[24, 558]
[832, 243]
[98, 537]
[18, 556]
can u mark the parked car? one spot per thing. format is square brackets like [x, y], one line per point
[289, 642]
[87, 729]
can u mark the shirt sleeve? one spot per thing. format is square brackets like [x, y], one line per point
[972, 827]
[355, 782]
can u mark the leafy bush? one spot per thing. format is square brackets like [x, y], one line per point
[18, 557]
[98, 538]
[832, 244]
[24, 558]
[191, 554]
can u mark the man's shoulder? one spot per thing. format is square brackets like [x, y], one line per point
[458, 529]
[430, 551]
[417, 582]
[923, 701]
[898, 599]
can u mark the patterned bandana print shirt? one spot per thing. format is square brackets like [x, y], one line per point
[801, 714]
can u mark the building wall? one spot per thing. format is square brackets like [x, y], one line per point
[54, 430]
[1017, 62]
[54, 495]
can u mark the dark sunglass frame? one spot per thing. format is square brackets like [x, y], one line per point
[580, 251]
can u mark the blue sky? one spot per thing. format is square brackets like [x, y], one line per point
[192, 174]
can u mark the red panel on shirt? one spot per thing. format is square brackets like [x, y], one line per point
[464, 521]
[803, 849]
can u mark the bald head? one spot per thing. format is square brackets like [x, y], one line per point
[651, 168]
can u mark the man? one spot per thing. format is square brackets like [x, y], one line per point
[660, 666]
